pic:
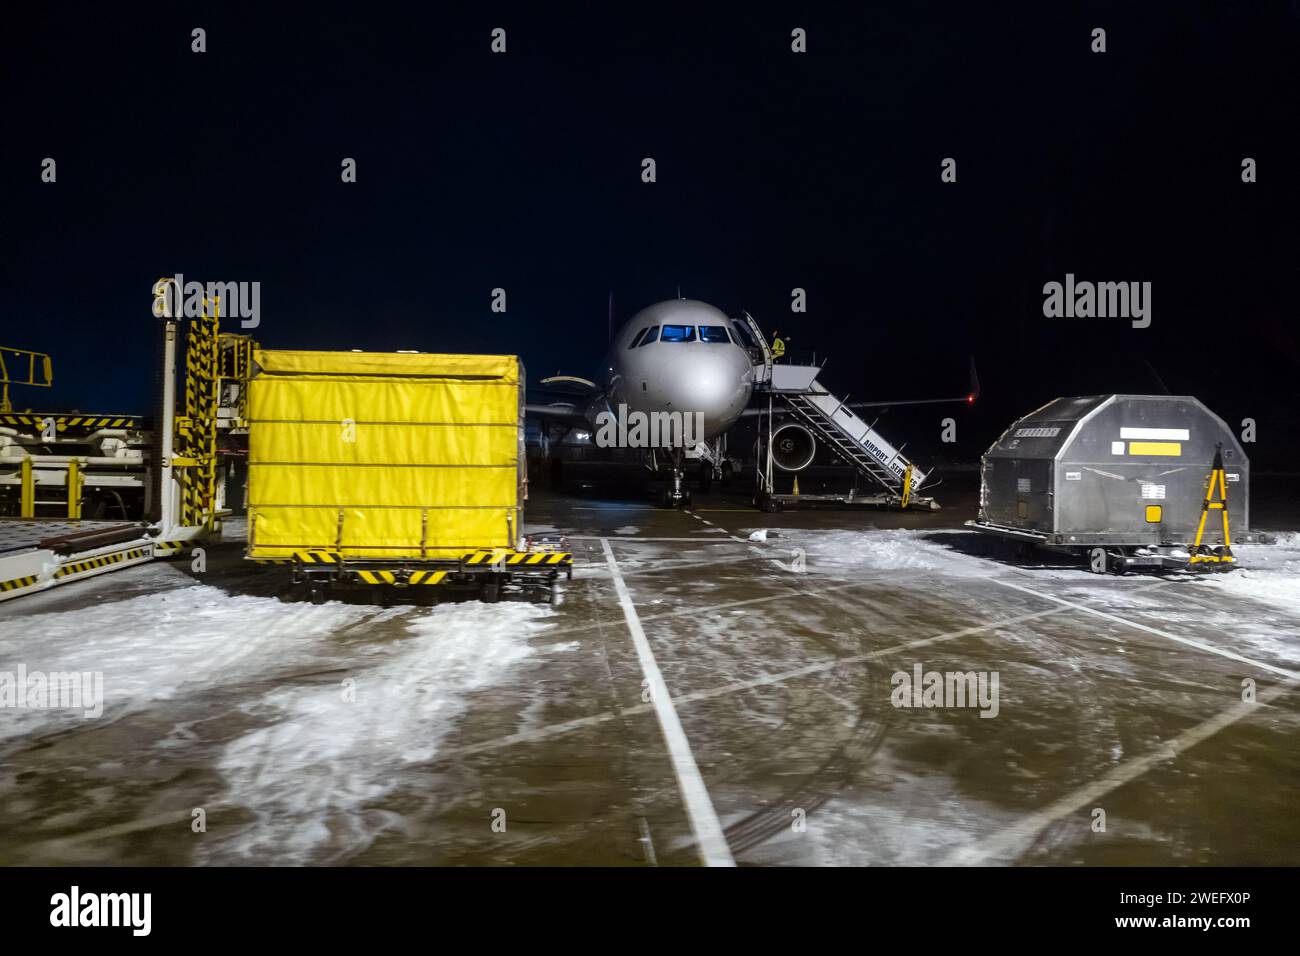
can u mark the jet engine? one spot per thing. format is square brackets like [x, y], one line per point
[793, 447]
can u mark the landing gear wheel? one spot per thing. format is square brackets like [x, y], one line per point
[770, 505]
[706, 477]
[666, 499]
[686, 499]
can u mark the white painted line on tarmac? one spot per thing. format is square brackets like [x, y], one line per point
[620, 507]
[621, 538]
[826, 665]
[709, 840]
[122, 829]
[600, 573]
[540, 733]
[767, 680]
[1027, 828]
[1199, 645]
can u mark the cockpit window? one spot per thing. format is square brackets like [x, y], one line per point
[651, 335]
[742, 336]
[714, 333]
[678, 333]
[637, 338]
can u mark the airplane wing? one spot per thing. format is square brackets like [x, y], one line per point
[573, 394]
[561, 413]
[569, 385]
[967, 399]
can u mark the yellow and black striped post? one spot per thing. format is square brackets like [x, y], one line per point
[1202, 553]
[196, 434]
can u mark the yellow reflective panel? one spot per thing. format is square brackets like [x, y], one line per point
[1170, 449]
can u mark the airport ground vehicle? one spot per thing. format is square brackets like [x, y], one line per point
[397, 470]
[1133, 481]
[84, 494]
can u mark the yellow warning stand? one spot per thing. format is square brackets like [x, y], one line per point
[1201, 553]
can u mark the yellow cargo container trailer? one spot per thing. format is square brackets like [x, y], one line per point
[394, 470]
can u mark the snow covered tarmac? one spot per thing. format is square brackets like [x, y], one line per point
[521, 734]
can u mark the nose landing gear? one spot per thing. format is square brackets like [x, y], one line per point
[676, 495]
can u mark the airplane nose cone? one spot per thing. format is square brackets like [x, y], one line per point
[714, 380]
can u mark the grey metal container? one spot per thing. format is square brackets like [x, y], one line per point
[1117, 470]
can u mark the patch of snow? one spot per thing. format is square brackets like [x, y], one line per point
[1268, 573]
[162, 645]
[312, 774]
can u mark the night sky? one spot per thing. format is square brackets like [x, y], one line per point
[775, 170]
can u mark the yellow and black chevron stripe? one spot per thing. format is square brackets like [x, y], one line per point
[165, 549]
[520, 557]
[15, 583]
[390, 577]
[101, 562]
[196, 437]
[73, 421]
[316, 557]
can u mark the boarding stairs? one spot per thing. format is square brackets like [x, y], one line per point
[839, 428]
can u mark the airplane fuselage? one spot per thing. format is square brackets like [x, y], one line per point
[681, 356]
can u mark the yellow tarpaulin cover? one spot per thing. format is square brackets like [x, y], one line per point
[383, 455]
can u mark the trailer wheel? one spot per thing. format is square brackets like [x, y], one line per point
[317, 594]
[492, 589]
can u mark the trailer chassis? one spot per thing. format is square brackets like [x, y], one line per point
[487, 573]
[1105, 553]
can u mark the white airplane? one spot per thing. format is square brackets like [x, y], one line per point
[687, 367]
[683, 367]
